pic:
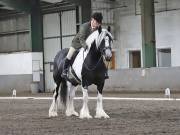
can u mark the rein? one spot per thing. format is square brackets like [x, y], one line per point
[91, 69]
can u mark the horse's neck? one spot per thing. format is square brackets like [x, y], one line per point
[93, 56]
[92, 37]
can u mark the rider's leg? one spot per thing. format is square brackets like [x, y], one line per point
[70, 53]
[67, 62]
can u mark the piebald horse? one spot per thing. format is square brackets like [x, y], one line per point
[87, 67]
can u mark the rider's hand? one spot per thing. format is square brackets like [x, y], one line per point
[85, 47]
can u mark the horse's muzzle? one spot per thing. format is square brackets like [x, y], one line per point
[108, 58]
[108, 54]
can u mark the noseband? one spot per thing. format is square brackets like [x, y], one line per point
[104, 49]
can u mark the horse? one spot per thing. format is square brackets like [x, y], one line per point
[87, 67]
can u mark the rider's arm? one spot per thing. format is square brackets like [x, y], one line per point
[82, 36]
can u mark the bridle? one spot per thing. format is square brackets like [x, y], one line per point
[102, 51]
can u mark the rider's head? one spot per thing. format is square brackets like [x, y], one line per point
[96, 20]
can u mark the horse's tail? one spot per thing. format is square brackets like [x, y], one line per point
[63, 92]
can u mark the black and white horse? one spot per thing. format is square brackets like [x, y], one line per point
[89, 68]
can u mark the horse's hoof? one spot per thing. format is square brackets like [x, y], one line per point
[85, 116]
[99, 117]
[75, 113]
[72, 113]
[89, 117]
[103, 115]
[68, 114]
[53, 114]
[106, 117]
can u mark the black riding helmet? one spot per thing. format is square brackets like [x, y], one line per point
[97, 16]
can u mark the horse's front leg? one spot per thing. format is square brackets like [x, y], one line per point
[99, 108]
[84, 113]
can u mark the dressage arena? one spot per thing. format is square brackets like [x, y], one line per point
[131, 114]
[126, 63]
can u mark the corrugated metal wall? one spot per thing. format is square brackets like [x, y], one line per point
[15, 34]
[55, 39]
[51, 29]
[68, 19]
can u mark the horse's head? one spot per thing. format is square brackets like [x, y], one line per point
[104, 43]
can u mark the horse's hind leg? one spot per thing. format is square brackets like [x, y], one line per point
[70, 101]
[99, 108]
[54, 106]
[84, 113]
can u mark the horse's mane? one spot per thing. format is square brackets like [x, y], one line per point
[95, 36]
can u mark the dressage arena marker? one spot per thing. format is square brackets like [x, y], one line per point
[95, 98]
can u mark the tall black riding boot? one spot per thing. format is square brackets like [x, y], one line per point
[65, 68]
[106, 75]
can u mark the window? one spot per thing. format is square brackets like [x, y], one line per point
[164, 57]
[134, 59]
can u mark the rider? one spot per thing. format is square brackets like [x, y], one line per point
[80, 40]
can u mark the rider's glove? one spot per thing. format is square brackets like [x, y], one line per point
[85, 47]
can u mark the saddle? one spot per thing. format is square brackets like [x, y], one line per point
[71, 75]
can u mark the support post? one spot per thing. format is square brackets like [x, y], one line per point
[148, 33]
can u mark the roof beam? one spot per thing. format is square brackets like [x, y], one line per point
[19, 5]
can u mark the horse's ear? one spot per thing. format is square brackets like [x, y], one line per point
[109, 28]
[100, 29]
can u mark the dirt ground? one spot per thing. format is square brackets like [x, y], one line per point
[30, 117]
